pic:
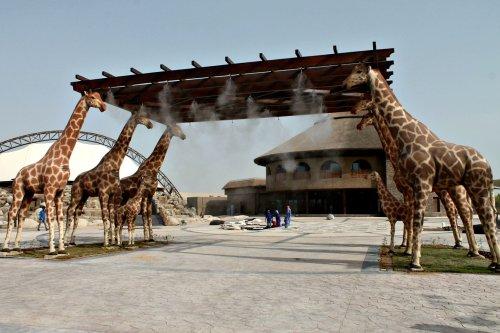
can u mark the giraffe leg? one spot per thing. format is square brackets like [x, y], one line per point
[112, 221]
[104, 199]
[23, 211]
[459, 196]
[145, 224]
[17, 195]
[393, 229]
[72, 213]
[403, 243]
[451, 213]
[149, 215]
[60, 222]
[421, 192]
[130, 230]
[49, 202]
[484, 208]
[118, 227]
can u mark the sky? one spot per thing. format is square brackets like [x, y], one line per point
[446, 72]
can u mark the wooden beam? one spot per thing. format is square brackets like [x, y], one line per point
[195, 64]
[228, 60]
[165, 68]
[335, 49]
[135, 71]
[106, 74]
[80, 77]
[297, 53]
[241, 68]
[262, 57]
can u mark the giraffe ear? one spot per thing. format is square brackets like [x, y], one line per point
[86, 93]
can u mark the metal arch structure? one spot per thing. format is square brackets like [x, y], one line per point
[85, 137]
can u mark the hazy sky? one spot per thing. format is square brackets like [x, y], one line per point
[446, 72]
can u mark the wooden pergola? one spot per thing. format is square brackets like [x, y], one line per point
[271, 88]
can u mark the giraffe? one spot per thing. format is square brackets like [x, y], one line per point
[391, 150]
[394, 209]
[49, 176]
[128, 211]
[428, 162]
[103, 181]
[151, 166]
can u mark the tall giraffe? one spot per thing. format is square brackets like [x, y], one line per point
[391, 149]
[150, 167]
[103, 181]
[428, 162]
[394, 209]
[49, 176]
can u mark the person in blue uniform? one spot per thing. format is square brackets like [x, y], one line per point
[278, 218]
[269, 218]
[288, 216]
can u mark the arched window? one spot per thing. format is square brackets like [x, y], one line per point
[280, 174]
[331, 169]
[360, 168]
[302, 171]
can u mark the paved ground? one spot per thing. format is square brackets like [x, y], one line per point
[318, 276]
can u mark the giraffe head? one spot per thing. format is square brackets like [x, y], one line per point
[140, 118]
[175, 130]
[374, 176]
[366, 120]
[364, 105]
[358, 76]
[94, 100]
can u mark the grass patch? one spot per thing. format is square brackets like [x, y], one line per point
[436, 258]
[89, 250]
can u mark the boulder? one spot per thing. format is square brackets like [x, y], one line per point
[9, 199]
[171, 220]
[216, 222]
[330, 217]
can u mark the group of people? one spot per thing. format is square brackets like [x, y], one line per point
[273, 219]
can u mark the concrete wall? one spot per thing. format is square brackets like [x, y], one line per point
[208, 205]
[243, 200]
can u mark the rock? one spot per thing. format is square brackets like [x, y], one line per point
[9, 199]
[1, 213]
[216, 222]
[330, 217]
[171, 220]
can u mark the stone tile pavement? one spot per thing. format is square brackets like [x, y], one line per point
[318, 276]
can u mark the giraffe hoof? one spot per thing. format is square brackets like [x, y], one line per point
[72, 244]
[62, 252]
[458, 246]
[391, 252]
[416, 268]
[407, 254]
[16, 249]
[151, 240]
[493, 266]
[6, 249]
[53, 253]
[471, 254]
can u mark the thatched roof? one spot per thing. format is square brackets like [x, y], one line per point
[335, 133]
[250, 182]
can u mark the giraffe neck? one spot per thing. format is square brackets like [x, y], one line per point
[114, 158]
[388, 143]
[403, 127]
[66, 143]
[155, 160]
[383, 192]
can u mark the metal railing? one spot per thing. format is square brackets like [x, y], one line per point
[137, 157]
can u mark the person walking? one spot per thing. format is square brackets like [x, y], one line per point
[278, 218]
[288, 216]
[41, 217]
[269, 218]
